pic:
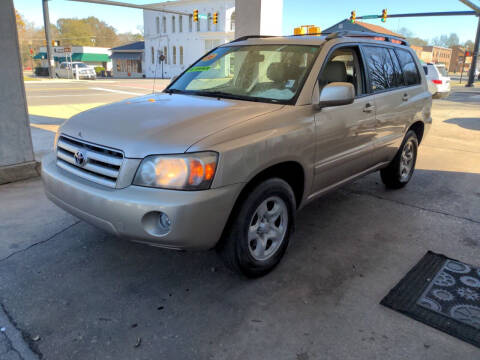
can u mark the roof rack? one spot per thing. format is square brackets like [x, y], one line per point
[246, 37]
[366, 34]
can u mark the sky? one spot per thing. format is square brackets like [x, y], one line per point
[296, 12]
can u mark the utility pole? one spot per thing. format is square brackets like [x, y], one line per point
[473, 67]
[46, 22]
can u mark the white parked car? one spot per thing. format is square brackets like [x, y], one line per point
[67, 70]
[438, 76]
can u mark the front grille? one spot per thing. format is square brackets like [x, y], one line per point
[100, 164]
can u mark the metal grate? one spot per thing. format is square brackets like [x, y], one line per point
[92, 162]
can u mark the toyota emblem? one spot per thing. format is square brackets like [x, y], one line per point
[80, 158]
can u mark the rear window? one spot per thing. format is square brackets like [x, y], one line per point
[442, 70]
[383, 72]
[410, 71]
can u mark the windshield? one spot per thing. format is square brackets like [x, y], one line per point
[80, 65]
[273, 73]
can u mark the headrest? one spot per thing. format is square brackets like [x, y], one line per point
[335, 71]
[282, 72]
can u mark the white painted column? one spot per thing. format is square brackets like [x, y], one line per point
[258, 17]
[16, 151]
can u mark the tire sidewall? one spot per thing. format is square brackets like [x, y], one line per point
[269, 188]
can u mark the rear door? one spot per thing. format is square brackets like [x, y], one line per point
[393, 99]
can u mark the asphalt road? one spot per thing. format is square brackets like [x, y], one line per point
[41, 93]
[78, 293]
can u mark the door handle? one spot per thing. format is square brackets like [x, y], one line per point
[405, 97]
[368, 108]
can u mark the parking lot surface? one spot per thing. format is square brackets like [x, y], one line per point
[76, 292]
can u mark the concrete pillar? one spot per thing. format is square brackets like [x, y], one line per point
[258, 17]
[16, 150]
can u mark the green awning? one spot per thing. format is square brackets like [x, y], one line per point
[76, 57]
[90, 57]
[40, 56]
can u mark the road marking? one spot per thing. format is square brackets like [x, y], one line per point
[117, 91]
[48, 127]
[54, 96]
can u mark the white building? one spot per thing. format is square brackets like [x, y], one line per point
[182, 40]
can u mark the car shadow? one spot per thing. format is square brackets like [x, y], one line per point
[466, 123]
[85, 290]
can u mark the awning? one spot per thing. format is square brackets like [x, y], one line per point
[127, 56]
[76, 57]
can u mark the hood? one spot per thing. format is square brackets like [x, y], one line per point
[160, 123]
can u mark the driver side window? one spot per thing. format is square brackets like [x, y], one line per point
[343, 66]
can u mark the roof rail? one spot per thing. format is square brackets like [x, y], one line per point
[367, 34]
[246, 37]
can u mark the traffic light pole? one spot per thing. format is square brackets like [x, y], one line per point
[46, 22]
[471, 74]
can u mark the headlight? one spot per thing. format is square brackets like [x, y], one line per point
[182, 172]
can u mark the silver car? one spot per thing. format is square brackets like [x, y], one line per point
[239, 142]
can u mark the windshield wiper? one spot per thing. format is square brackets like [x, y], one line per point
[174, 91]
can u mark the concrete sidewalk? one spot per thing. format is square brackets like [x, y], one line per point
[84, 294]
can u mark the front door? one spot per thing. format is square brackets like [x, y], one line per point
[344, 134]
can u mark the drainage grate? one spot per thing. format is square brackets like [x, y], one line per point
[442, 293]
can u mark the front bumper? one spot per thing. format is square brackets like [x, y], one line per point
[197, 217]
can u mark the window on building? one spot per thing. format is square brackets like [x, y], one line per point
[232, 22]
[209, 22]
[173, 24]
[409, 67]
[181, 55]
[164, 24]
[174, 55]
[180, 23]
[190, 23]
[198, 25]
[153, 54]
[157, 23]
[166, 54]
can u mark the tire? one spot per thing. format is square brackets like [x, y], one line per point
[257, 237]
[399, 172]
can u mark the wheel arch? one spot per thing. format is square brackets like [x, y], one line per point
[419, 129]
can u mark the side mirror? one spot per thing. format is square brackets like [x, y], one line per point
[336, 94]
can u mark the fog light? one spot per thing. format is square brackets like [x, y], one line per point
[156, 223]
[164, 222]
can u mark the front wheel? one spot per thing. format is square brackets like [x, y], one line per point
[399, 172]
[259, 233]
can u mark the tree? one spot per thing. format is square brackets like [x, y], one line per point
[86, 32]
[469, 45]
[446, 40]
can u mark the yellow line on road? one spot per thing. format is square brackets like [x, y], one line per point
[48, 127]
[61, 111]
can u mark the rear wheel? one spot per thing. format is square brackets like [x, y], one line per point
[399, 172]
[260, 231]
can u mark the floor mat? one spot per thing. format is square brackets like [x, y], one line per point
[443, 293]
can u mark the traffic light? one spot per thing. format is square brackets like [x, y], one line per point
[384, 15]
[215, 17]
[353, 17]
[195, 15]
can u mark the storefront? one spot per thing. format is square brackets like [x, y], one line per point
[127, 60]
